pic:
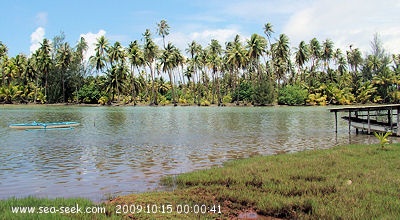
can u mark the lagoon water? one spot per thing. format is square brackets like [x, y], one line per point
[122, 150]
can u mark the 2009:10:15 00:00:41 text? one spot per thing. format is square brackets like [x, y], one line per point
[167, 208]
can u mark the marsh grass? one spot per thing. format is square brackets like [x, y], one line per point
[349, 182]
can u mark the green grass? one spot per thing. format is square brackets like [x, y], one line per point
[349, 182]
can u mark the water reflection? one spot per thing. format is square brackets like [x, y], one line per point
[127, 149]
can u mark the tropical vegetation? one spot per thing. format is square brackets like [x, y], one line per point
[261, 70]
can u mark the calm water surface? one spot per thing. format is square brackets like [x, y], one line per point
[122, 150]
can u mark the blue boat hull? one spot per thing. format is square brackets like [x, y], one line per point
[47, 125]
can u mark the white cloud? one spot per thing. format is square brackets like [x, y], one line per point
[91, 40]
[204, 37]
[259, 9]
[222, 35]
[36, 38]
[41, 19]
[346, 22]
[391, 39]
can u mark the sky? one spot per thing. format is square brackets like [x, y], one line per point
[24, 23]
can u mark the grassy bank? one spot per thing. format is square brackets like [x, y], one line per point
[349, 182]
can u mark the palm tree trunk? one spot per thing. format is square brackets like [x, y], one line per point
[153, 92]
[116, 82]
[133, 86]
[63, 86]
[218, 92]
[37, 85]
[172, 87]
[45, 87]
[77, 95]
[213, 87]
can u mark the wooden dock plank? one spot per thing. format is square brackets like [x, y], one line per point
[367, 117]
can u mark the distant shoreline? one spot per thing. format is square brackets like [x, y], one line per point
[241, 105]
[137, 105]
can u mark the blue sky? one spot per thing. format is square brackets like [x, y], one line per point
[24, 23]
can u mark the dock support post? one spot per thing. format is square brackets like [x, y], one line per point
[369, 122]
[356, 113]
[349, 121]
[336, 121]
[398, 120]
[390, 119]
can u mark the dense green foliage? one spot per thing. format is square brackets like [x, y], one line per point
[260, 71]
[292, 95]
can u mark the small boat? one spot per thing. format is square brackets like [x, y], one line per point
[44, 125]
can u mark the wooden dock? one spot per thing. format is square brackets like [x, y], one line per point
[372, 118]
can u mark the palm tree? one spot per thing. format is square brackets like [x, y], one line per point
[99, 60]
[10, 70]
[45, 62]
[268, 31]
[213, 60]
[178, 61]
[20, 62]
[396, 67]
[30, 70]
[3, 55]
[373, 64]
[163, 30]
[354, 59]
[341, 63]
[136, 59]
[327, 53]
[281, 58]
[194, 49]
[64, 59]
[301, 57]
[115, 77]
[150, 52]
[81, 48]
[315, 53]
[79, 65]
[256, 47]
[116, 56]
[116, 53]
[35, 72]
[3, 50]
[169, 61]
[237, 58]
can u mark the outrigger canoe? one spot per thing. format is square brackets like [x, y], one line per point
[46, 125]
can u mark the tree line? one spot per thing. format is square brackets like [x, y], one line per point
[257, 71]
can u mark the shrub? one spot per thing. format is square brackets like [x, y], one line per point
[292, 95]
[103, 100]
[264, 93]
[227, 99]
[89, 93]
[163, 100]
[317, 99]
[205, 102]
[243, 92]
